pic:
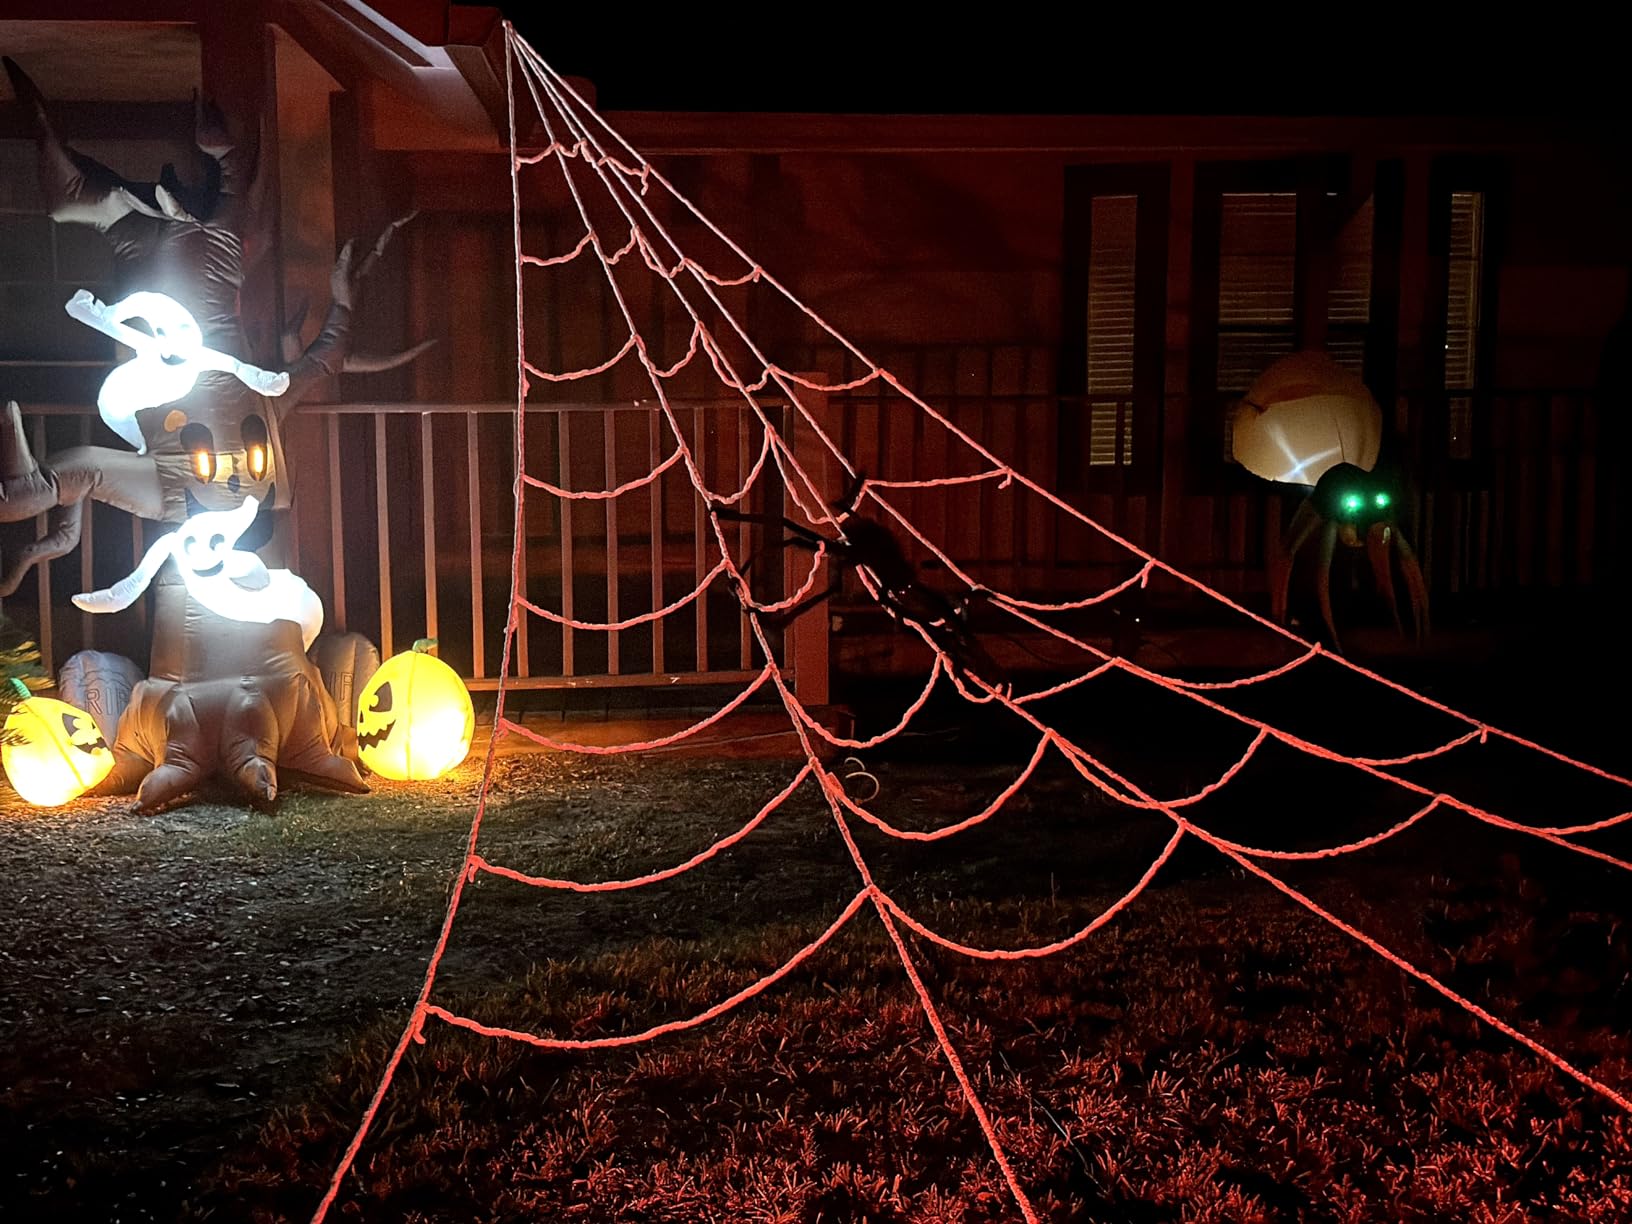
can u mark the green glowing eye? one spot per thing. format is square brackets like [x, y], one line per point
[1352, 501]
[1382, 500]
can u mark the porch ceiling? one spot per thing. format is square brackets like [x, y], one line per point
[84, 51]
[106, 61]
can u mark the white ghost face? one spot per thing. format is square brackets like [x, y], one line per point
[170, 353]
[207, 543]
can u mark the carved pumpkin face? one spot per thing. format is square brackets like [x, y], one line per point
[60, 753]
[414, 718]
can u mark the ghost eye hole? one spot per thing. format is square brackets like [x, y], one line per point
[199, 443]
[256, 452]
[382, 699]
[216, 541]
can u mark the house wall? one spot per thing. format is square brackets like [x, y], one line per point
[937, 244]
[943, 256]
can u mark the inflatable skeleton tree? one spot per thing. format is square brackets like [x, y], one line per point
[230, 689]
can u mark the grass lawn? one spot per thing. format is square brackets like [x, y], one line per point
[197, 1005]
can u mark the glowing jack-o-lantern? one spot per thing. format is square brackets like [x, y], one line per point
[58, 753]
[414, 717]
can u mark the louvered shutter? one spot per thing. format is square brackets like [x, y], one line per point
[1465, 259]
[1348, 301]
[1112, 265]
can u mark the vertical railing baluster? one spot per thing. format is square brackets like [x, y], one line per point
[524, 625]
[87, 546]
[613, 646]
[427, 520]
[138, 546]
[337, 539]
[382, 534]
[42, 572]
[700, 529]
[654, 435]
[473, 478]
[745, 636]
[1015, 506]
[563, 447]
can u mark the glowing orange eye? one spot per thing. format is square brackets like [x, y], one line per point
[204, 464]
[256, 462]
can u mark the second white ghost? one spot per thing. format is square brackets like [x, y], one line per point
[228, 581]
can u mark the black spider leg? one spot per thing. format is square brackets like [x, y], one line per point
[965, 653]
[813, 542]
[802, 537]
[853, 493]
[942, 626]
[1379, 551]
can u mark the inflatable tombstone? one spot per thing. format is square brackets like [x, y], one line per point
[232, 691]
[100, 684]
[347, 662]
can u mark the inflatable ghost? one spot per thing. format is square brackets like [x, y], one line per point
[231, 583]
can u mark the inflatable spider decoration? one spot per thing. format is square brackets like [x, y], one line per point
[1310, 423]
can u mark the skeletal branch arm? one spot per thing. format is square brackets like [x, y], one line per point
[330, 353]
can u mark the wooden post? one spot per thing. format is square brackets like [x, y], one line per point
[805, 646]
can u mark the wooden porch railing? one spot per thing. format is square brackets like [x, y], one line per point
[402, 523]
[403, 513]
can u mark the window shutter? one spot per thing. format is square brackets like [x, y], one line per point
[1462, 299]
[1348, 301]
[1112, 263]
[1465, 258]
[1257, 284]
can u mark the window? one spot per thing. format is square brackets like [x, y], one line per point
[1257, 284]
[47, 355]
[1285, 258]
[1110, 377]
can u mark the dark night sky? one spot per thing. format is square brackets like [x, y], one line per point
[887, 59]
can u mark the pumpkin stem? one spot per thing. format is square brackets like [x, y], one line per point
[20, 688]
[425, 646]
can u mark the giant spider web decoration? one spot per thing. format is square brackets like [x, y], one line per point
[597, 164]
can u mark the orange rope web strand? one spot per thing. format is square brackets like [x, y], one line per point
[416, 1018]
[478, 863]
[991, 1135]
[627, 179]
[757, 987]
